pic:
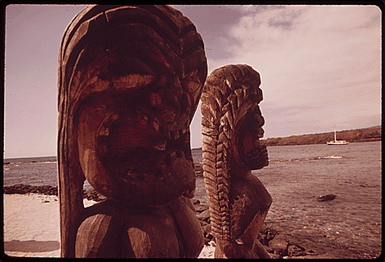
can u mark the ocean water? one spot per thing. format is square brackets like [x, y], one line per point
[347, 227]
[35, 171]
[350, 226]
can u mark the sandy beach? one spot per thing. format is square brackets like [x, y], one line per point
[31, 226]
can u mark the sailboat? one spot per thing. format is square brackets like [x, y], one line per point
[335, 141]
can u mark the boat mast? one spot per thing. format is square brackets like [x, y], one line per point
[335, 134]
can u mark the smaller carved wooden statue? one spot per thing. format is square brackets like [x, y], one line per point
[231, 127]
[130, 78]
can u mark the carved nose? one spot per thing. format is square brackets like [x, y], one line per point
[257, 114]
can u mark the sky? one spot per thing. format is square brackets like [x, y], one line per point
[320, 66]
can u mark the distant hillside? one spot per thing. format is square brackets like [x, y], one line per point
[356, 135]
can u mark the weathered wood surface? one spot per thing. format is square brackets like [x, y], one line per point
[231, 127]
[130, 78]
[139, 232]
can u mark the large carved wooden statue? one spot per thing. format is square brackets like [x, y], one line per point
[231, 127]
[130, 78]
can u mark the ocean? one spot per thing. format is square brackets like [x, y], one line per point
[350, 226]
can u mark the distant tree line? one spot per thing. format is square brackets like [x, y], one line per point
[357, 135]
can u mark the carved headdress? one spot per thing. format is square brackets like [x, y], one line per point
[130, 78]
[231, 127]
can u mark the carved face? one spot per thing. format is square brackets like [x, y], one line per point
[130, 78]
[248, 130]
[134, 144]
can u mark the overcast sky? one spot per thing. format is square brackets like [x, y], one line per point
[320, 66]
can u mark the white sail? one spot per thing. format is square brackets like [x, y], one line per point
[335, 141]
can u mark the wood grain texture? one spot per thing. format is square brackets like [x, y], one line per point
[231, 127]
[114, 59]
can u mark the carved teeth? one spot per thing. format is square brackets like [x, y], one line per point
[111, 119]
[183, 130]
[160, 146]
[155, 125]
[177, 134]
[173, 135]
[155, 99]
[145, 118]
[104, 131]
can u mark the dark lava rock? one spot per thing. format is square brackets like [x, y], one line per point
[195, 201]
[92, 194]
[200, 208]
[295, 250]
[24, 189]
[205, 215]
[198, 169]
[267, 234]
[278, 245]
[326, 197]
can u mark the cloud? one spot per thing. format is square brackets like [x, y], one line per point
[322, 60]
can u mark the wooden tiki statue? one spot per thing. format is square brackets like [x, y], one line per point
[231, 127]
[130, 78]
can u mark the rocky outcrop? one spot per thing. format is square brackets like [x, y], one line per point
[203, 214]
[89, 194]
[92, 194]
[198, 169]
[24, 189]
[275, 244]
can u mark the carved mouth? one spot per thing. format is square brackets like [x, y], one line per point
[135, 148]
[252, 152]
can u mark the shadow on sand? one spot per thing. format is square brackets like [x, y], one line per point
[31, 246]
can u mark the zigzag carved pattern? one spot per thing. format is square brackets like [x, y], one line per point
[223, 94]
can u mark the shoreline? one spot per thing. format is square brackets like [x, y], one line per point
[369, 134]
[31, 229]
[270, 142]
[31, 225]
[89, 194]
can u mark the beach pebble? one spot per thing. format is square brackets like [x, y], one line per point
[92, 194]
[278, 245]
